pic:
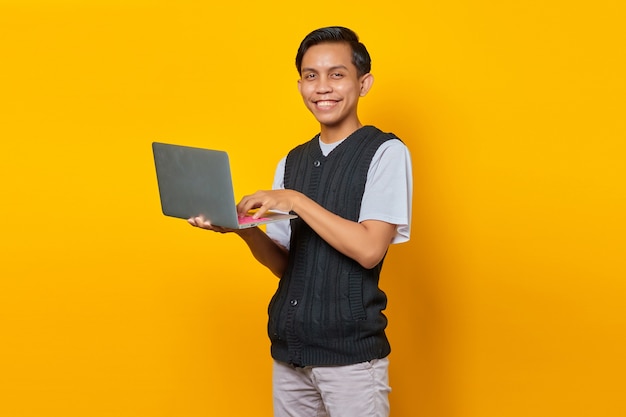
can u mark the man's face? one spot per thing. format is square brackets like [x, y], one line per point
[330, 86]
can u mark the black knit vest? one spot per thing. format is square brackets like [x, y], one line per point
[328, 308]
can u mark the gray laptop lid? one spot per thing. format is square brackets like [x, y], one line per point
[195, 181]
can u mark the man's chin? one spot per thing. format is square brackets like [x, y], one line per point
[327, 120]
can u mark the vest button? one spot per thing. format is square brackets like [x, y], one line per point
[317, 164]
[293, 302]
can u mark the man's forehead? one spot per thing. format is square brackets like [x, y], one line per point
[328, 55]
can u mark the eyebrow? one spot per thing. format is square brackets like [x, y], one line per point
[336, 67]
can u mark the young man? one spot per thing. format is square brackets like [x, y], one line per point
[351, 189]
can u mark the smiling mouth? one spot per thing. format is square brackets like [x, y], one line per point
[326, 103]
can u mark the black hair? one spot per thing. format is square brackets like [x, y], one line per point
[337, 34]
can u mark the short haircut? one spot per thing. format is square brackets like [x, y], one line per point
[337, 34]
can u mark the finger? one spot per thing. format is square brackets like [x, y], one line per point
[200, 222]
[242, 203]
[261, 211]
[246, 204]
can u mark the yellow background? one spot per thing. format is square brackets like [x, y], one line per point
[508, 301]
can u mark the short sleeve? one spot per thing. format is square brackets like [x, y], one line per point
[389, 189]
[279, 232]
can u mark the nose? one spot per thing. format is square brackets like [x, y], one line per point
[323, 85]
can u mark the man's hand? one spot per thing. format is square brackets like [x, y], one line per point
[281, 200]
[201, 222]
[365, 242]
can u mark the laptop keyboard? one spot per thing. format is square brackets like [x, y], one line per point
[250, 219]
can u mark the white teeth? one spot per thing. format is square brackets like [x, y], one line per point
[325, 103]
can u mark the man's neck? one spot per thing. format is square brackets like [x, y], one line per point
[334, 134]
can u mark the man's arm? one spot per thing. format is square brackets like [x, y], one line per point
[365, 242]
[264, 249]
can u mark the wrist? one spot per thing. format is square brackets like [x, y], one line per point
[296, 201]
[247, 233]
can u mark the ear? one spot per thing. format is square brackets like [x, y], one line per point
[367, 81]
[299, 86]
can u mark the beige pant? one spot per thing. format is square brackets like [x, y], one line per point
[359, 390]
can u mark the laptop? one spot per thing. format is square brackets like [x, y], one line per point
[196, 181]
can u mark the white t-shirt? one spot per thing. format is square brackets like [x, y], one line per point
[388, 191]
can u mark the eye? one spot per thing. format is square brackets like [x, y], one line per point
[336, 75]
[309, 76]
